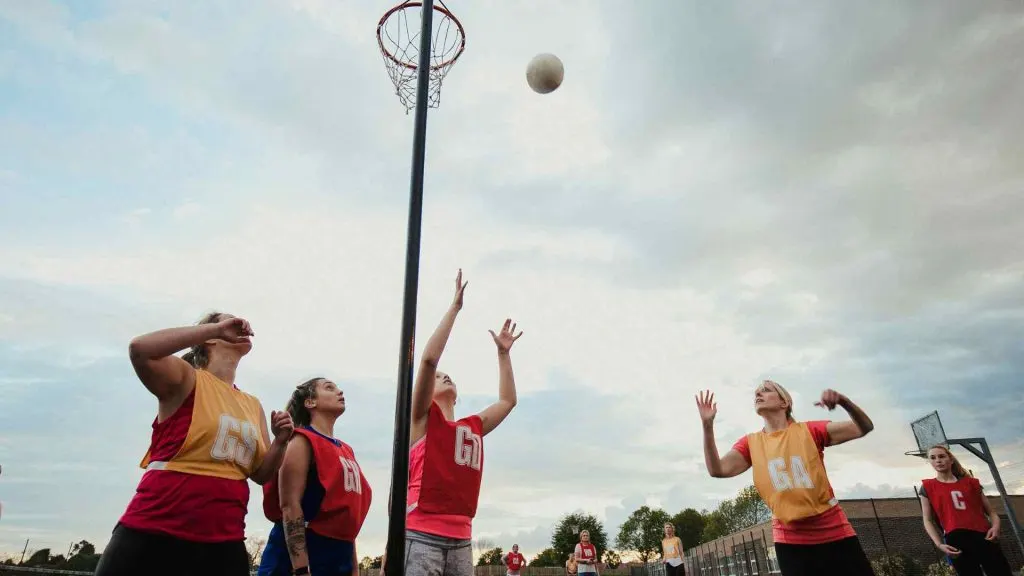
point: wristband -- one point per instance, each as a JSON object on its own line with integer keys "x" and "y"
{"x": 301, "y": 571}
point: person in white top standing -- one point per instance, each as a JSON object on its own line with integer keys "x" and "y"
{"x": 672, "y": 552}
{"x": 586, "y": 555}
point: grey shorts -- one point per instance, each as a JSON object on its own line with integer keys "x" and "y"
{"x": 429, "y": 555}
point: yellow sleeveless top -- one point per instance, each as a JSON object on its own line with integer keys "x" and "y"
{"x": 789, "y": 473}
{"x": 672, "y": 548}
{"x": 224, "y": 437}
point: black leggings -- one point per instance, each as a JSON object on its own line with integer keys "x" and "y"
{"x": 671, "y": 570}
{"x": 977, "y": 553}
{"x": 840, "y": 558}
{"x": 132, "y": 552}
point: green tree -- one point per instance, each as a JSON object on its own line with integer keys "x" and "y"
{"x": 716, "y": 523}
{"x": 749, "y": 509}
{"x": 38, "y": 558}
{"x": 548, "y": 557}
{"x": 611, "y": 558}
{"x": 564, "y": 540}
{"x": 689, "y": 527}
{"x": 642, "y": 532}
{"x": 83, "y": 557}
{"x": 491, "y": 557}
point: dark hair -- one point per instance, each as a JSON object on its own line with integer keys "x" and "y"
{"x": 297, "y": 403}
{"x": 198, "y": 356}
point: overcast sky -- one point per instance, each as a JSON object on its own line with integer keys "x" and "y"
{"x": 827, "y": 193}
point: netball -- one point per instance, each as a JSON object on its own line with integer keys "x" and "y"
{"x": 544, "y": 73}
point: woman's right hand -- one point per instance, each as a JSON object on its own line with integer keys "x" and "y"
{"x": 949, "y": 550}
{"x": 707, "y": 407}
{"x": 235, "y": 330}
{"x": 460, "y": 287}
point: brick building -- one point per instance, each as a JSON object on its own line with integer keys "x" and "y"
{"x": 889, "y": 525}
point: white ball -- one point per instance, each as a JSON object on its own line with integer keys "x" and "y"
{"x": 545, "y": 73}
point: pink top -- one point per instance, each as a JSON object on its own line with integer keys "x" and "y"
{"x": 445, "y": 525}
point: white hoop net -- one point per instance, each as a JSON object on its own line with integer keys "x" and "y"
{"x": 928, "y": 432}
{"x": 398, "y": 37}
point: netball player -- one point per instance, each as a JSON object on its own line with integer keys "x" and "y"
{"x": 320, "y": 497}
{"x": 446, "y": 455}
{"x": 514, "y": 561}
{"x": 188, "y": 512}
{"x": 672, "y": 552}
{"x": 971, "y": 527}
{"x": 811, "y": 532}
{"x": 571, "y": 565}
{"x": 586, "y": 555}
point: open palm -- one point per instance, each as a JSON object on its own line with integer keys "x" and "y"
{"x": 504, "y": 339}
{"x": 706, "y": 406}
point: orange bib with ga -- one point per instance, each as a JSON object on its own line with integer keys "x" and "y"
{"x": 789, "y": 473}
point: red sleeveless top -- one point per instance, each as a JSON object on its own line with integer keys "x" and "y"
{"x": 515, "y": 561}
{"x": 347, "y": 494}
{"x": 453, "y": 464}
{"x": 445, "y": 468}
{"x": 957, "y": 505}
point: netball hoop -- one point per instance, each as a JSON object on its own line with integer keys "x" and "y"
{"x": 400, "y": 47}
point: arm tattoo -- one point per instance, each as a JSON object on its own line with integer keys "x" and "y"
{"x": 295, "y": 535}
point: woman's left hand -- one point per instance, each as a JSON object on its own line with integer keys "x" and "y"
{"x": 281, "y": 425}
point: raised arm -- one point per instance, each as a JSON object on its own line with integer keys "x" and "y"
{"x": 857, "y": 426}
{"x": 423, "y": 389}
{"x": 166, "y": 376}
{"x": 733, "y": 464}
{"x": 281, "y": 426}
{"x": 291, "y": 487}
{"x": 932, "y": 529}
{"x": 494, "y": 414}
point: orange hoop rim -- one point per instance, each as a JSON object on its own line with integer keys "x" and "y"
{"x": 414, "y": 4}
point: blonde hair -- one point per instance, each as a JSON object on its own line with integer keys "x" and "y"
{"x": 958, "y": 469}
{"x": 784, "y": 394}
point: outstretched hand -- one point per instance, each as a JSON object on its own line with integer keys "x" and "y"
{"x": 507, "y": 337}
{"x": 707, "y": 406}
{"x": 460, "y": 287}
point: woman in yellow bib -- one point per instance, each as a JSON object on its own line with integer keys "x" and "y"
{"x": 811, "y": 532}
{"x": 209, "y": 438}
{"x": 672, "y": 552}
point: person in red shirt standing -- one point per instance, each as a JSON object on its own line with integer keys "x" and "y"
{"x": 514, "y": 561}
{"x": 971, "y": 528}
{"x": 811, "y": 532}
{"x": 586, "y": 555}
{"x": 209, "y": 437}
{"x": 446, "y": 456}
{"x": 320, "y": 498}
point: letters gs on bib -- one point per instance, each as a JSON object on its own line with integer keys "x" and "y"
{"x": 237, "y": 441}
{"x": 468, "y": 447}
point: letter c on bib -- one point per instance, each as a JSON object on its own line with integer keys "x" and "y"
{"x": 958, "y": 500}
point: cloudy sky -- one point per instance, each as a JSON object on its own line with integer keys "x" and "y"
{"x": 824, "y": 193}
